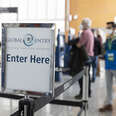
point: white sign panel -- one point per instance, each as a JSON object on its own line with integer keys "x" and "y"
{"x": 29, "y": 59}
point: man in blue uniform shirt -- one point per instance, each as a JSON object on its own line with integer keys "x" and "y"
{"x": 110, "y": 68}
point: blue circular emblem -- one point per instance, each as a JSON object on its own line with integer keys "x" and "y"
{"x": 28, "y": 40}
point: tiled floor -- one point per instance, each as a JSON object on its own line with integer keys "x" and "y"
{"x": 97, "y": 100}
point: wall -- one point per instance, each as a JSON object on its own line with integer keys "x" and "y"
{"x": 100, "y": 11}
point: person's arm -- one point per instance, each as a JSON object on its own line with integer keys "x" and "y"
{"x": 84, "y": 39}
{"x": 74, "y": 41}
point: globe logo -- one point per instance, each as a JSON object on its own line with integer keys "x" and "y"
{"x": 28, "y": 40}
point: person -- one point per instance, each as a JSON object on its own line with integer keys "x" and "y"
{"x": 86, "y": 40}
{"x": 99, "y": 36}
{"x": 97, "y": 52}
{"x": 109, "y": 25}
{"x": 110, "y": 66}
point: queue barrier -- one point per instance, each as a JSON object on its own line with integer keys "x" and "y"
{"x": 29, "y": 105}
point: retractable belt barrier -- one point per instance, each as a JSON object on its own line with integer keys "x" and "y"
{"x": 27, "y": 106}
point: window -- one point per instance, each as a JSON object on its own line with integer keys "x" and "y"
{"x": 52, "y": 11}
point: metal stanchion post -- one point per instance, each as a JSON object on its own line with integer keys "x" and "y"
{"x": 85, "y": 84}
{"x": 26, "y": 107}
{"x": 85, "y": 91}
{"x": 11, "y": 106}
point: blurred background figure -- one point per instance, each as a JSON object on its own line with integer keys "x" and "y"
{"x": 97, "y": 51}
{"x": 100, "y": 39}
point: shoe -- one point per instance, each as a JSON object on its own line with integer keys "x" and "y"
{"x": 78, "y": 97}
{"x": 106, "y": 108}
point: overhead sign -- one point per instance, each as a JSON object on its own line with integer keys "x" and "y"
{"x": 29, "y": 59}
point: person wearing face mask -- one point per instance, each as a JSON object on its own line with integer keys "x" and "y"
{"x": 110, "y": 68}
{"x": 109, "y": 27}
{"x": 87, "y": 41}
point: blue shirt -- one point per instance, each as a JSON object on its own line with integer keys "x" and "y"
{"x": 110, "y": 55}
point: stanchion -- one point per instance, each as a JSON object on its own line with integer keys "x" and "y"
{"x": 26, "y": 107}
{"x": 86, "y": 108}
{"x": 85, "y": 84}
{"x": 59, "y": 55}
{"x": 85, "y": 91}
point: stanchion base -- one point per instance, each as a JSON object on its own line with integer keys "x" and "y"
{"x": 29, "y": 105}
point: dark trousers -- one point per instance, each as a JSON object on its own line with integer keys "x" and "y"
{"x": 89, "y": 85}
{"x": 81, "y": 80}
{"x": 94, "y": 67}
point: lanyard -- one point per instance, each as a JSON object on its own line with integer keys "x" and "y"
{"x": 110, "y": 40}
{"x": 110, "y": 44}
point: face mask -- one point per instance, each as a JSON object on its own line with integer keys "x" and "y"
{"x": 109, "y": 31}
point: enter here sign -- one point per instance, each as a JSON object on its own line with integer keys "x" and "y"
{"x": 29, "y": 59}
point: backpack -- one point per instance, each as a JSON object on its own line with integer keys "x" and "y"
{"x": 97, "y": 47}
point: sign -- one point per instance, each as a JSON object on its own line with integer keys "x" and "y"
{"x": 29, "y": 58}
